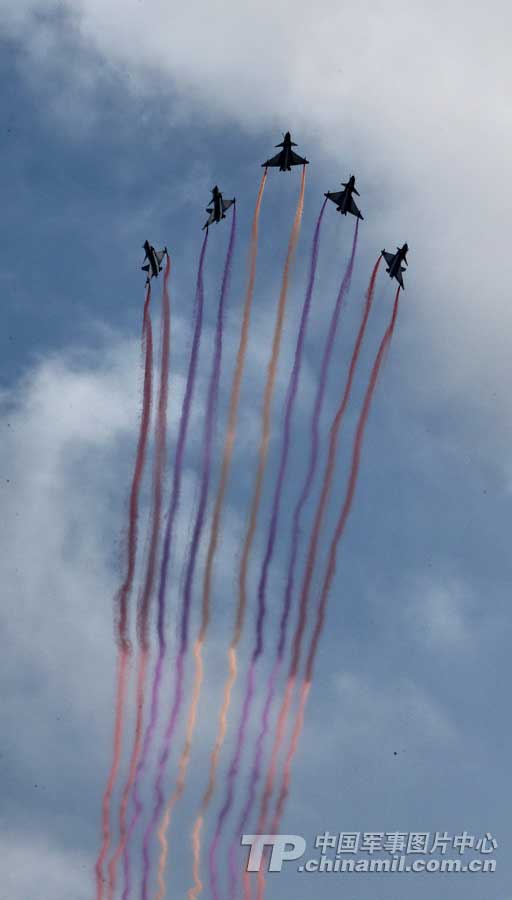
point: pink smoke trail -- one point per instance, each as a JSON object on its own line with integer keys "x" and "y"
{"x": 149, "y": 578}
{"x": 123, "y": 595}
{"x": 173, "y": 509}
{"x": 158, "y": 466}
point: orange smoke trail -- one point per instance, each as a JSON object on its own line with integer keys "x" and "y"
{"x": 123, "y": 662}
{"x": 267, "y": 403}
{"x": 280, "y": 729}
{"x": 141, "y": 683}
{"x": 299, "y": 721}
{"x": 294, "y": 741}
{"x": 196, "y": 849}
{"x": 214, "y": 761}
{"x": 215, "y": 527}
{"x": 262, "y": 459}
{"x": 329, "y": 575}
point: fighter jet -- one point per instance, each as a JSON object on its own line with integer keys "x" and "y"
{"x": 286, "y": 158}
{"x": 217, "y": 208}
{"x": 394, "y": 261}
{"x": 154, "y": 259}
{"x": 344, "y": 200}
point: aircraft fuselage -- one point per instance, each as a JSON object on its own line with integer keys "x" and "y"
{"x": 152, "y": 260}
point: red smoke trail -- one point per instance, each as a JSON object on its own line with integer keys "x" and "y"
{"x": 331, "y": 564}
{"x": 141, "y": 684}
{"x": 140, "y": 459}
{"x": 122, "y": 596}
{"x": 149, "y": 578}
{"x": 311, "y": 556}
{"x": 107, "y": 796}
{"x": 158, "y": 466}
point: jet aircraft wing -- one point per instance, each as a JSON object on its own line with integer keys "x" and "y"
{"x": 274, "y": 161}
{"x": 295, "y": 160}
{"x": 354, "y": 209}
{"x": 210, "y": 219}
{"x": 389, "y": 257}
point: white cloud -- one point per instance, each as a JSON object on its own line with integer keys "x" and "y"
{"x": 39, "y": 870}
{"x": 410, "y": 96}
{"x": 389, "y": 715}
{"x": 66, "y": 462}
{"x": 440, "y": 614}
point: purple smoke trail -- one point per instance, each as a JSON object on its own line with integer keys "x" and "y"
{"x": 213, "y": 390}
{"x": 173, "y": 509}
{"x": 315, "y": 443}
{"x": 291, "y": 395}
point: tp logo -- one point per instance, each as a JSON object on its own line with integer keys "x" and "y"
{"x": 285, "y": 847}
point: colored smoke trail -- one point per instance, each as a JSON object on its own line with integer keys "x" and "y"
{"x": 158, "y": 466}
{"x": 276, "y": 506}
{"x": 214, "y": 535}
{"x": 123, "y": 594}
{"x": 180, "y": 781}
{"x": 173, "y": 510}
{"x": 107, "y": 796}
{"x": 331, "y": 563}
{"x": 294, "y": 547}
{"x": 285, "y": 706}
{"x": 149, "y": 578}
{"x": 313, "y": 546}
{"x": 209, "y": 428}
{"x": 267, "y": 402}
{"x": 125, "y": 798}
{"x": 256, "y": 498}
{"x": 122, "y": 597}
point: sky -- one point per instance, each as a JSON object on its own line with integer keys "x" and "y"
{"x": 117, "y": 119}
